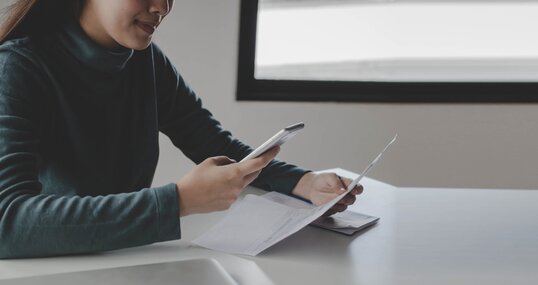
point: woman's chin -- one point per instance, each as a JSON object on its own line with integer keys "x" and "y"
{"x": 137, "y": 44}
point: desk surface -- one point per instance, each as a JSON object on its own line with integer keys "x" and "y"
{"x": 425, "y": 236}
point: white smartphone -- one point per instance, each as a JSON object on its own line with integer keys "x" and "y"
{"x": 278, "y": 139}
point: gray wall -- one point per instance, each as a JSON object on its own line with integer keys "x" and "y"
{"x": 445, "y": 145}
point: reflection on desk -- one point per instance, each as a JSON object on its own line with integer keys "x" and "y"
{"x": 201, "y": 271}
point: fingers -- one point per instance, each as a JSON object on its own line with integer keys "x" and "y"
{"x": 337, "y": 208}
{"x": 258, "y": 163}
{"x": 356, "y": 190}
{"x": 329, "y": 212}
{"x": 328, "y": 196}
{"x": 348, "y": 200}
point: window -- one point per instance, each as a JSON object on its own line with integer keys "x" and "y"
{"x": 389, "y": 51}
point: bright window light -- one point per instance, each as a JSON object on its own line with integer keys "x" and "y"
{"x": 409, "y": 41}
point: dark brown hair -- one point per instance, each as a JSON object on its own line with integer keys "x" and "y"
{"x": 27, "y": 17}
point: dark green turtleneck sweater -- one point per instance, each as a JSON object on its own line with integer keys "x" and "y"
{"x": 79, "y": 145}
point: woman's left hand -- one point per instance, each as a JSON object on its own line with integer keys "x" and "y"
{"x": 320, "y": 188}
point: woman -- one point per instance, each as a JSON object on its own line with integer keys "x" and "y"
{"x": 83, "y": 96}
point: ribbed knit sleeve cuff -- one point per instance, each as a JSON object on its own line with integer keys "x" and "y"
{"x": 168, "y": 207}
{"x": 287, "y": 183}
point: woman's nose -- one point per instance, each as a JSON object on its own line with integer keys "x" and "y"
{"x": 160, "y": 7}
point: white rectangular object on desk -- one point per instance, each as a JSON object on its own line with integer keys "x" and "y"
{"x": 203, "y": 271}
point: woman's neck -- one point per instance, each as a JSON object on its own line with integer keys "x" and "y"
{"x": 95, "y": 31}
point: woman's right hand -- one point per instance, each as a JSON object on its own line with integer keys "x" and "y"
{"x": 215, "y": 184}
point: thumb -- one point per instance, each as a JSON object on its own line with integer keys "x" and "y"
{"x": 324, "y": 197}
{"x": 336, "y": 191}
{"x": 222, "y": 160}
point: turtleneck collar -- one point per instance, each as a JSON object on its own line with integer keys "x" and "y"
{"x": 90, "y": 53}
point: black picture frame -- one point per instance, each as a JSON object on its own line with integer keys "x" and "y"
{"x": 251, "y": 89}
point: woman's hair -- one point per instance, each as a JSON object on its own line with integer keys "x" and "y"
{"x": 27, "y": 17}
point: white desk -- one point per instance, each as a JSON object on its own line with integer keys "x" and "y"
{"x": 425, "y": 236}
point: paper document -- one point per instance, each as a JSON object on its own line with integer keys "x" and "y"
{"x": 257, "y": 222}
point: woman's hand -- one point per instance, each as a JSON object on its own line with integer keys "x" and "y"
{"x": 320, "y": 188}
{"x": 215, "y": 184}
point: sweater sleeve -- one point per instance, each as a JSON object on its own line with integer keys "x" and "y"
{"x": 195, "y": 131}
{"x": 35, "y": 224}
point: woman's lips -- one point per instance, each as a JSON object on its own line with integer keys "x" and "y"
{"x": 146, "y": 27}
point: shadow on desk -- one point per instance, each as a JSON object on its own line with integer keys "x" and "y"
{"x": 311, "y": 242}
